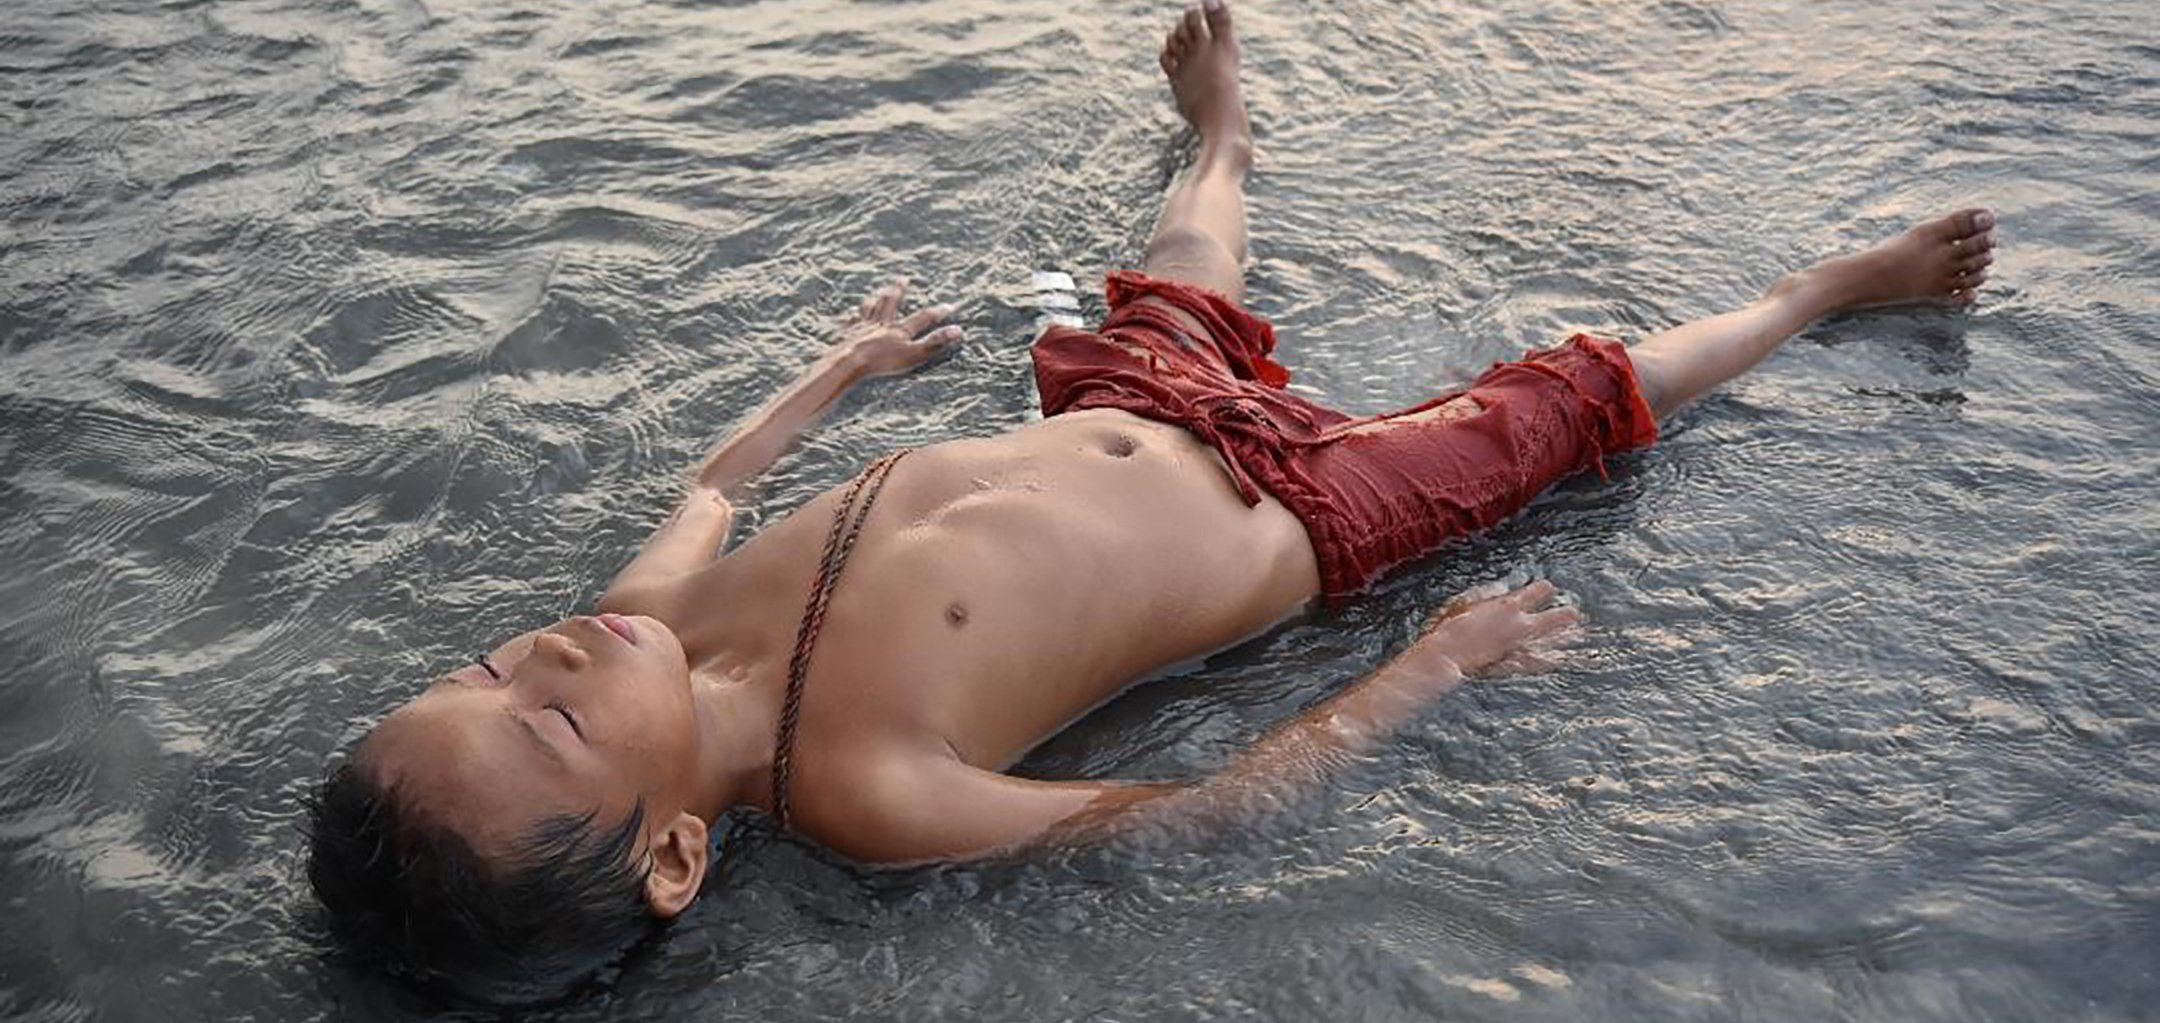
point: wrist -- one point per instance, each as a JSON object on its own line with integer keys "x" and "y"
{"x": 848, "y": 360}
{"x": 1428, "y": 668}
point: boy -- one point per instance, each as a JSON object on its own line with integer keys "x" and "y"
{"x": 865, "y": 669}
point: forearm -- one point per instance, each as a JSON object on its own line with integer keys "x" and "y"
{"x": 762, "y": 437}
{"x": 1329, "y": 734}
{"x": 1293, "y": 757}
{"x": 692, "y": 536}
{"x": 1476, "y": 632}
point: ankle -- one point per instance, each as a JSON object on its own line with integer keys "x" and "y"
{"x": 1225, "y": 152}
{"x": 1810, "y": 293}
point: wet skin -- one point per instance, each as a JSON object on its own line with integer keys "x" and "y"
{"x": 1005, "y": 585}
{"x": 587, "y": 714}
{"x": 1002, "y": 587}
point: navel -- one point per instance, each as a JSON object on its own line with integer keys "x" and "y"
{"x": 956, "y": 615}
{"x": 1120, "y": 446}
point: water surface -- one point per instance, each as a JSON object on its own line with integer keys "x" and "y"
{"x": 338, "y": 337}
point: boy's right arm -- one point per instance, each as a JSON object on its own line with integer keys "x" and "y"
{"x": 924, "y": 807}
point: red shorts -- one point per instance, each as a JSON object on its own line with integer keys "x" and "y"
{"x": 1371, "y": 491}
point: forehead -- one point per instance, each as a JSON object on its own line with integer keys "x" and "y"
{"x": 464, "y": 762}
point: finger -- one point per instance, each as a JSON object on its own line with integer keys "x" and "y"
{"x": 880, "y": 305}
{"x": 1470, "y": 598}
{"x": 923, "y": 319}
{"x": 1559, "y": 619}
{"x": 943, "y": 337}
{"x": 1521, "y": 662}
{"x": 868, "y": 308}
{"x": 1484, "y": 591}
{"x": 1531, "y": 596}
{"x": 887, "y": 301}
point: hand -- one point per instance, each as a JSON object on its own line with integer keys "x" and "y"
{"x": 1492, "y": 629}
{"x": 885, "y": 343}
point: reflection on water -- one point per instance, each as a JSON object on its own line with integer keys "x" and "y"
{"x": 337, "y": 337}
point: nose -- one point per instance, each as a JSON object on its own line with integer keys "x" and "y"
{"x": 560, "y": 650}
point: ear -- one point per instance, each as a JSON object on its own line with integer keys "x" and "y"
{"x": 678, "y": 850}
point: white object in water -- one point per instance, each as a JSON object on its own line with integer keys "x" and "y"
{"x": 1055, "y": 300}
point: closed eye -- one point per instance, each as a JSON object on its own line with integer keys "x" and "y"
{"x": 567, "y": 717}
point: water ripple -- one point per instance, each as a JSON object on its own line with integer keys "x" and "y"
{"x": 337, "y": 338}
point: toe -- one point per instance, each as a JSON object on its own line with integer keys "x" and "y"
{"x": 1966, "y": 222}
{"x": 1974, "y": 262}
{"x": 1962, "y": 296}
{"x": 1195, "y": 24}
{"x": 1218, "y": 18}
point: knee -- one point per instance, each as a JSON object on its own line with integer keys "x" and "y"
{"x": 1653, "y": 379}
{"x": 1190, "y": 248}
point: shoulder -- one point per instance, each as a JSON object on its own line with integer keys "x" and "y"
{"x": 926, "y": 806}
{"x": 879, "y": 803}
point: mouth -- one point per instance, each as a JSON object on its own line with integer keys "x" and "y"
{"x": 620, "y": 626}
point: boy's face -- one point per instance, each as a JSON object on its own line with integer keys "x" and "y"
{"x": 589, "y": 714}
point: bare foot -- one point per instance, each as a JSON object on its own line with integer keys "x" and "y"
{"x": 1944, "y": 259}
{"x": 1200, "y": 57}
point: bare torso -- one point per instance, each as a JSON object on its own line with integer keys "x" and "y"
{"x": 1002, "y": 587}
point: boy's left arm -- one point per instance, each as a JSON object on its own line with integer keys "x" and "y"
{"x": 877, "y": 341}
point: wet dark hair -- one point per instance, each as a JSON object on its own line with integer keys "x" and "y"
{"x": 415, "y": 900}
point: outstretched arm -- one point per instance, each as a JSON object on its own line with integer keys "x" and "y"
{"x": 938, "y": 807}
{"x": 877, "y": 341}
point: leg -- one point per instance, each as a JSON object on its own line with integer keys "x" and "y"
{"x": 1200, "y": 238}
{"x": 1946, "y": 258}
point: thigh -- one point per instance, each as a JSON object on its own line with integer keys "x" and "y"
{"x": 1404, "y": 483}
{"x": 1194, "y": 321}
{"x": 1192, "y": 256}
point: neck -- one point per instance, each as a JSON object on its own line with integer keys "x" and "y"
{"x": 738, "y": 670}
{"x": 738, "y": 637}
{"x": 740, "y": 711}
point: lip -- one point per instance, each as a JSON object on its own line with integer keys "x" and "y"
{"x": 620, "y": 626}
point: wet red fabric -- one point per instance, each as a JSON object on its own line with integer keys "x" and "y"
{"x": 1372, "y": 491}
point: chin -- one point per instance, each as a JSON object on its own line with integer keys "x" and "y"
{"x": 660, "y": 629}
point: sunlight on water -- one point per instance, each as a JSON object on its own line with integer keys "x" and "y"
{"x": 339, "y": 337}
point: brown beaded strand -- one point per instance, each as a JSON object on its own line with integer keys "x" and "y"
{"x": 839, "y": 543}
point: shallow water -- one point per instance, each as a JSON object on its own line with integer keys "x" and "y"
{"x": 339, "y": 337}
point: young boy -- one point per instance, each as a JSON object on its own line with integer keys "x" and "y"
{"x": 865, "y": 669}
